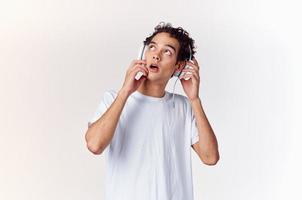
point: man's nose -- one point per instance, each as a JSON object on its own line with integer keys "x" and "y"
{"x": 156, "y": 57}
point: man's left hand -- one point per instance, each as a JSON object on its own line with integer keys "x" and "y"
{"x": 191, "y": 86}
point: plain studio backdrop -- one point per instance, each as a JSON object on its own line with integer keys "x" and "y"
{"x": 58, "y": 57}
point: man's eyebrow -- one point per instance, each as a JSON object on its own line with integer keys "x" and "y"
{"x": 165, "y": 45}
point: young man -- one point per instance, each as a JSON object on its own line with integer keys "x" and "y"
{"x": 147, "y": 141}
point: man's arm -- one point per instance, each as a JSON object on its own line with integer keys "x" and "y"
{"x": 206, "y": 147}
{"x": 100, "y": 133}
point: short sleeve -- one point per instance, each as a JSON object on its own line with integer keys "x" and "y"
{"x": 105, "y": 102}
{"x": 194, "y": 130}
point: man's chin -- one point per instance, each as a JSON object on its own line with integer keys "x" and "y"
{"x": 156, "y": 78}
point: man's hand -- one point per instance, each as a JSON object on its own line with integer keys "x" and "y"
{"x": 191, "y": 86}
{"x": 130, "y": 83}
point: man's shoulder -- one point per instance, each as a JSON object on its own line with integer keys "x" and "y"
{"x": 180, "y": 97}
{"x": 108, "y": 96}
{"x": 181, "y": 100}
{"x": 110, "y": 92}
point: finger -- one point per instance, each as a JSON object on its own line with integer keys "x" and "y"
{"x": 195, "y": 61}
{"x": 196, "y": 76}
{"x": 193, "y": 65}
{"x": 196, "y": 73}
{"x": 135, "y": 62}
{"x": 142, "y": 69}
{"x": 185, "y": 76}
{"x": 191, "y": 70}
{"x": 142, "y": 66}
{"x": 140, "y": 62}
{"x": 138, "y": 65}
{"x": 190, "y": 76}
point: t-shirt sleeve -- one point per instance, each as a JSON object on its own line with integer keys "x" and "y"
{"x": 105, "y": 102}
{"x": 194, "y": 130}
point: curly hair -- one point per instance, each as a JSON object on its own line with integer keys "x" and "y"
{"x": 178, "y": 33}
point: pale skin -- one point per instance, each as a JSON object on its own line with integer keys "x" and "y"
{"x": 163, "y": 51}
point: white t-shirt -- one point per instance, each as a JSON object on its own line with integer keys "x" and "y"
{"x": 149, "y": 156}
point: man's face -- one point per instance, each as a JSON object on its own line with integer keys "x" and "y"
{"x": 162, "y": 51}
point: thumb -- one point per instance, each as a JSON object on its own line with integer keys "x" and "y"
{"x": 143, "y": 78}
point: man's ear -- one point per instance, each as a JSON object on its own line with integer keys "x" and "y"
{"x": 179, "y": 65}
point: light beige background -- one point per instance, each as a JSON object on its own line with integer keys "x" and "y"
{"x": 58, "y": 57}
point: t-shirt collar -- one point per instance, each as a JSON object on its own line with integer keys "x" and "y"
{"x": 141, "y": 96}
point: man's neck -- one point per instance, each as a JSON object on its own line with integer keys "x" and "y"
{"x": 150, "y": 89}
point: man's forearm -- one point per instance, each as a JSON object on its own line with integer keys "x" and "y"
{"x": 207, "y": 140}
{"x": 101, "y": 132}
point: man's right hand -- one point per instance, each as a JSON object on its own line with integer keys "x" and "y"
{"x": 130, "y": 83}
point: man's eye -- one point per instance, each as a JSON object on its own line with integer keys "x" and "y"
{"x": 151, "y": 46}
{"x": 168, "y": 51}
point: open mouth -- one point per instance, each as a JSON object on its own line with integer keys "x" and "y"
{"x": 154, "y": 68}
